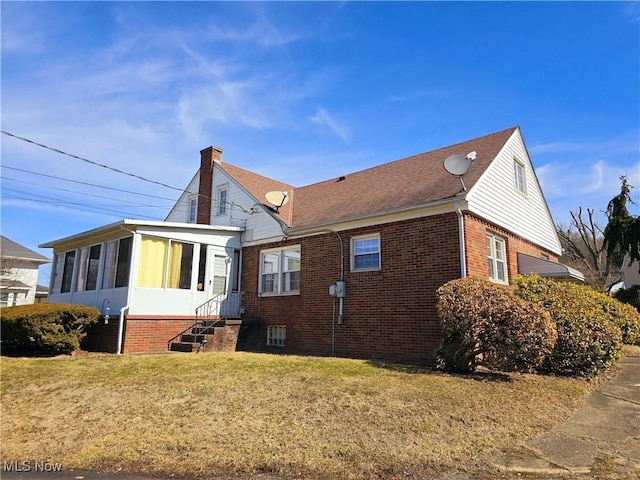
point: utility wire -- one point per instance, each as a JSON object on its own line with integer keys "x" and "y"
{"x": 80, "y": 193}
{"x": 4, "y": 132}
{"x": 250, "y": 211}
{"x": 86, "y": 183}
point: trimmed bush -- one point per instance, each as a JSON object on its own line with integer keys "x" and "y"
{"x": 45, "y": 328}
{"x": 588, "y": 341}
{"x": 485, "y": 323}
{"x": 623, "y": 315}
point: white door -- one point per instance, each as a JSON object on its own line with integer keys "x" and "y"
{"x": 219, "y": 274}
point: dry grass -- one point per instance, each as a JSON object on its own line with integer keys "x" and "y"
{"x": 242, "y": 414}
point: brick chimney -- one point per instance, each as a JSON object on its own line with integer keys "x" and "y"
{"x": 208, "y": 157}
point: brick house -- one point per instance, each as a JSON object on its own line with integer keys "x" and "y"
{"x": 346, "y": 267}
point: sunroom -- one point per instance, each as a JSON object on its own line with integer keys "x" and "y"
{"x": 150, "y": 269}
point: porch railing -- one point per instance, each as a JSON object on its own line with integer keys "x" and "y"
{"x": 223, "y": 305}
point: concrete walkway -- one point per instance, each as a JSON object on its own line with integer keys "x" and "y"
{"x": 603, "y": 435}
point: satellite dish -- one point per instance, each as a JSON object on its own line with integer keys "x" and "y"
{"x": 277, "y": 198}
{"x": 457, "y": 164}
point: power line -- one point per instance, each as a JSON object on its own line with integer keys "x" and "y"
{"x": 91, "y": 162}
{"x": 250, "y": 211}
{"x": 86, "y": 183}
{"x": 80, "y": 193}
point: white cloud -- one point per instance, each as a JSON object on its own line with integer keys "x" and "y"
{"x": 323, "y": 118}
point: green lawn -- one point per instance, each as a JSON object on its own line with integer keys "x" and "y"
{"x": 242, "y": 414}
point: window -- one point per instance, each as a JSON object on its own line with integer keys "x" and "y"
{"x": 193, "y": 209}
{"x": 67, "y": 273}
{"x": 519, "y": 178}
{"x": 117, "y": 258}
{"x": 496, "y": 258}
{"x": 165, "y": 263}
{"x": 276, "y": 335}
{"x": 223, "y": 193}
{"x": 57, "y": 270}
{"x": 280, "y": 271}
{"x": 87, "y": 276}
{"x": 365, "y": 253}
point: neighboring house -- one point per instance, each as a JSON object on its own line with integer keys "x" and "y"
{"x": 630, "y": 272}
{"x": 346, "y": 267}
{"x": 19, "y": 273}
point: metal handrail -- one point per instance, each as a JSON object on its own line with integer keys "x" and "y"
{"x": 207, "y": 304}
{"x": 182, "y": 332}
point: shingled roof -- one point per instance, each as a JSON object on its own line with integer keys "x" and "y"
{"x": 410, "y": 182}
{"x": 11, "y": 249}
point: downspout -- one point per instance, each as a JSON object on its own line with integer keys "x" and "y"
{"x": 463, "y": 256}
{"x": 126, "y": 307}
{"x": 121, "y": 328}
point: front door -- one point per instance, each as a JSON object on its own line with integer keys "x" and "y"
{"x": 219, "y": 274}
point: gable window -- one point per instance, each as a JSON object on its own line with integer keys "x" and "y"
{"x": 222, "y": 197}
{"x": 519, "y": 176}
{"x": 496, "y": 258}
{"x": 280, "y": 271}
{"x": 365, "y": 253}
{"x": 193, "y": 209}
{"x": 276, "y": 335}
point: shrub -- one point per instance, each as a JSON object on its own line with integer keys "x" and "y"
{"x": 483, "y": 319}
{"x": 623, "y": 315}
{"x": 629, "y": 296}
{"x": 45, "y": 328}
{"x": 588, "y": 339}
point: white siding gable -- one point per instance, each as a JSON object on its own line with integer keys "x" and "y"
{"x": 180, "y": 211}
{"x": 241, "y": 210}
{"x": 496, "y": 198}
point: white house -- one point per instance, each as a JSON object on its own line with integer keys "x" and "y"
{"x": 18, "y": 282}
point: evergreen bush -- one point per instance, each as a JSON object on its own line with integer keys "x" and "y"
{"x": 589, "y": 340}
{"x": 45, "y": 328}
{"x": 485, "y": 323}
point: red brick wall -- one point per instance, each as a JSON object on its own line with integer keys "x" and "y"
{"x": 388, "y": 314}
{"x": 475, "y": 230}
{"x": 151, "y": 335}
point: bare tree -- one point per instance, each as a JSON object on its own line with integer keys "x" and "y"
{"x": 583, "y": 248}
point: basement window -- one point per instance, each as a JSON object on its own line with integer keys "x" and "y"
{"x": 276, "y": 335}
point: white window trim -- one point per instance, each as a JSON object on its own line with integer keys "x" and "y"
{"x": 353, "y": 253}
{"x": 276, "y": 335}
{"x": 280, "y": 272}
{"x": 519, "y": 181}
{"x": 222, "y": 208}
{"x": 492, "y": 257}
{"x": 193, "y": 209}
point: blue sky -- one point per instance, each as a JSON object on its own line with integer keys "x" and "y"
{"x": 303, "y": 92}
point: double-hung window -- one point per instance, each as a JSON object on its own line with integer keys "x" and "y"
{"x": 519, "y": 176}
{"x": 223, "y": 200}
{"x": 497, "y": 258}
{"x": 280, "y": 271}
{"x": 365, "y": 253}
{"x": 193, "y": 209}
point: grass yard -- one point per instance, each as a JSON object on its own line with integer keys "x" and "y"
{"x": 244, "y": 414}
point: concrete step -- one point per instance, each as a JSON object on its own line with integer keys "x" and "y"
{"x": 184, "y": 346}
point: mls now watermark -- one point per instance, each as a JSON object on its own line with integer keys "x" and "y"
{"x": 30, "y": 466}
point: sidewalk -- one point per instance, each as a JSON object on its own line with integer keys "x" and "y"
{"x": 603, "y": 434}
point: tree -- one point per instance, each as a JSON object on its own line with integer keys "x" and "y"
{"x": 622, "y": 233}
{"x": 583, "y": 248}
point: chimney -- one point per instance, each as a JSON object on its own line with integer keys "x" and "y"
{"x": 208, "y": 157}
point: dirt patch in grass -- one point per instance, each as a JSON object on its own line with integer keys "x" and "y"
{"x": 245, "y": 414}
